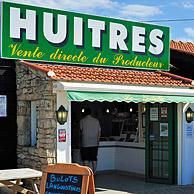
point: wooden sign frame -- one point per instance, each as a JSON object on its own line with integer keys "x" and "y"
{"x": 71, "y": 169}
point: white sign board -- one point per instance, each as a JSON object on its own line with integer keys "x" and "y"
{"x": 164, "y": 112}
{"x": 163, "y": 129}
{"x": 3, "y": 106}
{"x": 153, "y": 114}
{"x": 189, "y": 131}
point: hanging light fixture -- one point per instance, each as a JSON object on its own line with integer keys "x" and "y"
{"x": 189, "y": 115}
{"x": 62, "y": 115}
{"x": 107, "y": 110}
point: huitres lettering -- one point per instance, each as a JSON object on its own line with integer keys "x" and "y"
{"x": 118, "y": 34}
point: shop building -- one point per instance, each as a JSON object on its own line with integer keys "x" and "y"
{"x": 155, "y": 101}
{"x": 145, "y": 112}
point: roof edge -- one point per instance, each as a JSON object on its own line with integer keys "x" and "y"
{"x": 52, "y": 74}
{"x": 182, "y": 51}
{"x": 33, "y": 66}
{"x": 176, "y": 76}
{"x": 182, "y": 47}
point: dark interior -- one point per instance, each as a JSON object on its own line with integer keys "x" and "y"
{"x": 113, "y": 117}
{"x": 8, "y": 127}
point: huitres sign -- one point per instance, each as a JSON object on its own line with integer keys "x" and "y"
{"x": 41, "y": 34}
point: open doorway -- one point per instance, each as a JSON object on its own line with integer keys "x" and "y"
{"x": 122, "y": 142}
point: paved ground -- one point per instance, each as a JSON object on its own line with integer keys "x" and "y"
{"x": 167, "y": 190}
{"x": 124, "y": 184}
{"x": 114, "y": 183}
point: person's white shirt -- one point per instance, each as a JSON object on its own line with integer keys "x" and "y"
{"x": 90, "y": 130}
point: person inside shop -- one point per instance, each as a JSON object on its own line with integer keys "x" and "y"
{"x": 90, "y": 136}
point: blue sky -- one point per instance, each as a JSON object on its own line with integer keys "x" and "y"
{"x": 133, "y": 10}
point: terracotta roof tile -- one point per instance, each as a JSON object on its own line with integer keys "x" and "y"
{"x": 104, "y": 75}
{"x": 187, "y": 47}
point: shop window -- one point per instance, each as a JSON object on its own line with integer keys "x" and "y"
{"x": 33, "y": 123}
{"x": 125, "y": 124}
{"x": 120, "y": 121}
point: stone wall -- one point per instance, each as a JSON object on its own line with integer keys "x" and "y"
{"x": 35, "y": 86}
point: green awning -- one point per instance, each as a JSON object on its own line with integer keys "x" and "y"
{"x": 103, "y": 96}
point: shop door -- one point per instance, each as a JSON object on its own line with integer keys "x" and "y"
{"x": 161, "y": 143}
{"x": 8, "y": 128}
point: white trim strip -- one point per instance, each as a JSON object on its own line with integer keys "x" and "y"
{"x": 92, "y": 87}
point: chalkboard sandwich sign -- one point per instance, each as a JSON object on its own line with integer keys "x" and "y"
{"x": 67, "y": 179}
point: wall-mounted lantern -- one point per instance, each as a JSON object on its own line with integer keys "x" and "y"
{"x": 143, "y": 108}
{"x": 189, "y": 115}
{"x": 62, "y": 115}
